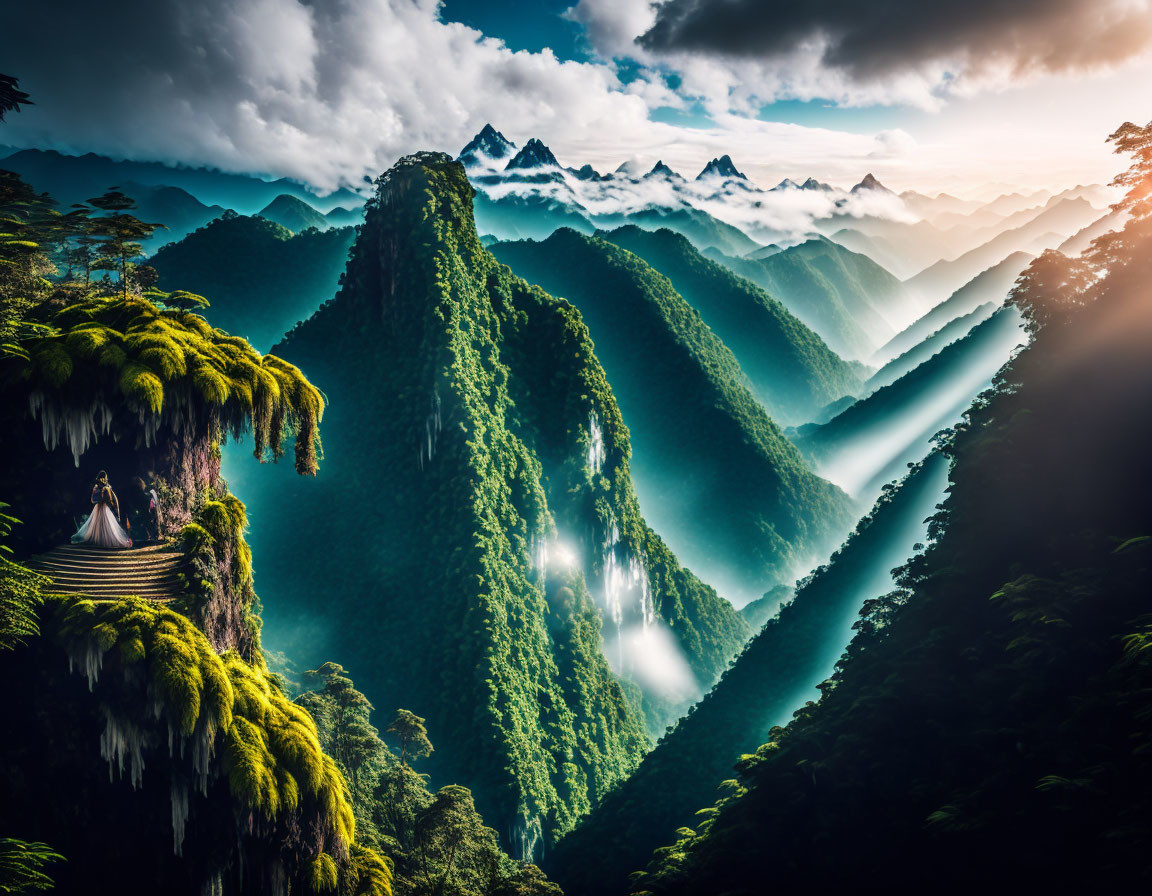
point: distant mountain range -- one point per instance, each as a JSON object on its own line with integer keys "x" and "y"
{"x": 76, "y": 178}
{"x": 260, "y": 277}
{"x": 846, "y": 297}
{"x": 526, "y": 192}
{"x": 938, "y": 243}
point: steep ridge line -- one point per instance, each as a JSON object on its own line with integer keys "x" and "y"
{"x": 151, "y": 572}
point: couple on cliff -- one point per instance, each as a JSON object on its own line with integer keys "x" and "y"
{"x": 102, "y": 527}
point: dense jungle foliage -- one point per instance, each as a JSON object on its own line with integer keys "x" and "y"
{"x": 996, "y": 705}
{"x": 715, "y": 473}
{"x": 481, "y": 462}
{"x": 436, "y": 841}
{"x": 263, "y": 279}
{"x": 790, "y": 369}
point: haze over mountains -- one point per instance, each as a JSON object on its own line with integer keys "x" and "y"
{"x": 616, "y": 465}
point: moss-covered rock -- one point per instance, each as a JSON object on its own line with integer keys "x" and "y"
{"x": 212, "y": 732}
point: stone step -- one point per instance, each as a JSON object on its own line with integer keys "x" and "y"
{"x": 109, "y": 568}
{"x": 79, "y": 550}
{"x": 151, "y": 572}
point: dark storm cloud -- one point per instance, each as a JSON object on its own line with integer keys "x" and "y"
{"x": 869, "y": 40}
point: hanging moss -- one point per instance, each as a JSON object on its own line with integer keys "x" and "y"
{"x": 218, "y": 594}
{"x": 188, "y": 674}
{"x": 369, "y": 872}
{"x": 266, "y": 745}
{"x": 170, "y": 370}
{"x": 322, "y": 874}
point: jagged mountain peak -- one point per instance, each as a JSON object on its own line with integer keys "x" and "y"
{"x": 870, "y": 183}
{"x": 662, "y": 170}
{"x": 722, "y": 167}
{"x": 534, "y": 155}
{"x": 586, "y": 172}
{"x": 488, "y": 144}
{"x": 787, "y": 184}
{"x": 813, "y": 184}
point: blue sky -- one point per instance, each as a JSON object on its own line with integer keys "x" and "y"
{"x": 523, "y": 25}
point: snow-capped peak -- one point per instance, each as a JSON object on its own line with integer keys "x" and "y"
{"x": 488, "y": 145}
{"x": 534, "y": 155}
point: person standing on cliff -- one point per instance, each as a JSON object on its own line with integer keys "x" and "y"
{"x": 102, "y": 527}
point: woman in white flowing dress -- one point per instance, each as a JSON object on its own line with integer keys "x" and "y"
{"x": 102, "y": 526}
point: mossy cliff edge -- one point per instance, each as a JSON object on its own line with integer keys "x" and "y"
{"x": 147, "y": 742}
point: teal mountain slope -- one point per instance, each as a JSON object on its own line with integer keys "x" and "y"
{"x": 474, "y": 513}
{"x": 702, "y": 230}
{"x": 179, "y": 211}
{"x": 955, "y": 329}
{"x": 294, "y": 214}
{"x": 992, "y": 285}
{"x": 776, "y": 674}
{"x": 996, "y": 705}
{"x": 870, "y": 442}
{"x": 262, "y": 280}
{"x": 791, "y": 370}
{"x": 714, "y": 473}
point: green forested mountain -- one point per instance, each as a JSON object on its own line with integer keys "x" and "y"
{"x": 473, "y": 545}
{"x": 852, "y": 302}
{"x": 294, "y": 214}
{"x": 714, "y": 472}
{"x": 778, "y": 672}
{"x": 262, "y": 279}
{"x": 996, "y": 705}
{"x": 791, "y": 370}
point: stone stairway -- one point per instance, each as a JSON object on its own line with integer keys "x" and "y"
{"x": 151, "y": 572}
